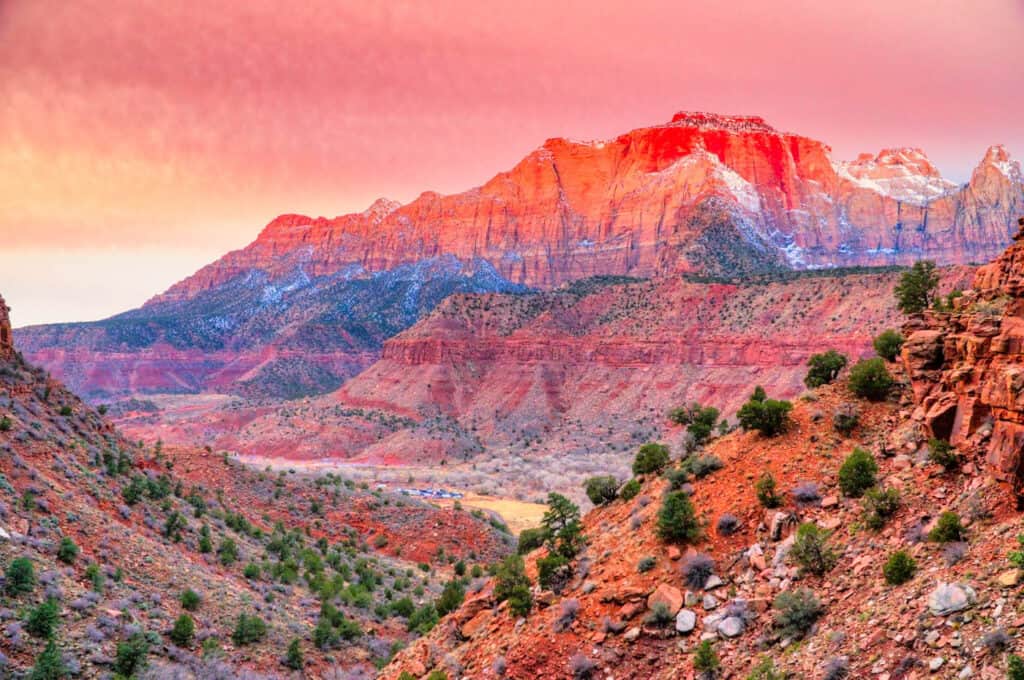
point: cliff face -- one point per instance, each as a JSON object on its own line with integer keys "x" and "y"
{"x": 659, "y": 199}
{"x": 967, "y": 366}
{"x": 6, "y": 335}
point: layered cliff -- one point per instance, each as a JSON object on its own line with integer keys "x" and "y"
{"x": 967, "y": 366}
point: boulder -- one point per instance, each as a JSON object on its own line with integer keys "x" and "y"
{"x": 948, "y": 598}
{"x": 686, "y": 620}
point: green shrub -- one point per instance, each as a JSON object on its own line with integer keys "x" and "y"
{"x": 947, "y": 529}
{"x": 705, "y": 660}
{"x": 899, "y": 568}
{"x": 19, "y": 577}
{"x": 768, "y": 416}
{"x": 677, "y": 519}
{"x": 562, "y": 523}
{"x": 629, "y": 490}
{"x": 796, "y": 611}
{"x": 131, "y": 655}
{"x": 553, "y": 572}
{"x": 870, "y": 379}
{"x": 660, "y": 615}
{"x": 49, "y": 664}
{"x": 183, "y": 632}
{"x": 651, "y": 458}
{"x": 811, "y": 549}
{"x": 1014, "y": 667}
{"x": 248, "y": 629}
{"x": 451, "y": 597}
{"x": 531, "y": 539}
{"x": 423, "y": 619}
{"x": 190, "y": 600}
{"x": 766, "y": 493}
{"x": 702, "y": 465}
{"x": 879, "y": 505}
{"x": 601, "y": 490}
{"x": 43, "y": 619}
{"x": 228, "y": 551}
{"x": 68, "y": 551}
{"x": 511, "y": 583}
{"x": 857, "y": 473}
{"x": 293, "y": 657}
{"x": 6, "y": 424}
{"x": 251, "y": 571}
{"x": 765, "y": 670}
{"x": 646, "y": 564}
{"x": 942, "y": 453}
{"x": 915, "y": 291}
{"x": 824, "y": 368}
{"x": 888, "y": 344}
{"x": 845, "y": 419}
{"x": 1016, "y": 557}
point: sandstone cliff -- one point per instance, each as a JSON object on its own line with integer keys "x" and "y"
{"x": 967, "y": 366}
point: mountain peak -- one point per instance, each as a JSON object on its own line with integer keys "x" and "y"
{"x": 705, "y": 120}
{"x": 381, "y": 208}
{"x": 998, "y": 158}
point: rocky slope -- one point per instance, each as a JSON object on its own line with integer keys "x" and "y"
{"x": 629, "y": 612}
{"x": 308, "y": 303}
{"x": 115, "y": 534}
{"x": 968, "y": 365}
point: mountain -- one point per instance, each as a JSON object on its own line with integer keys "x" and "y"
{"x": 310, "y": 301}
{"x": 100, "y": 537}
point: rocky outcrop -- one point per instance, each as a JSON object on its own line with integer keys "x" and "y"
{"x": 6, "y": 335}
{"x": 967, "y": 366}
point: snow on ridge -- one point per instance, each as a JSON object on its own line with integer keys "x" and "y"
{"x": 745, "y": 193}
{"x": 904, "y": 174}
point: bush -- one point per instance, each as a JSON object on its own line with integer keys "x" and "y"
{"x": 629, "y": 490}
{"x": 580, "y": 666}
{"x": 765, "y": 488}
{"x": 531, "y": 539}
{"x": 651, "y": 458}
{"x": 947, "y": 529}
{"x": 131, "y": 655}
{"x": 568, "y": 611}
{"x": 702, "y": 425}
{"x": 697, "y": 569}
{"x": 49, "y": 664}
{"x": 888, "y": 344}
{"x": 811, "y": 549}
{"x": 511, "y": 583}
{"x": 870, "y": 379}
{"x": 19, "y": 577}
{"x": 43, "y": 619}
{"x": 942, "y": 453}
{"x": 765, "y": 670}
{"x": 183, "y": 632}
{"x": 660, "y": 615}
{"x": 705, "y": 660}
{"x": 702, "y": 466}
{"x": 293, "y": 657}
{"x": 68, "y": 551}
{"x": 899, "y": 568}
{"x": 251, "y": 571}
{"x": 6, "y": 424}
{"x": 845, "y": 419}
{"x": 837, "y": 669}
{"x": 646, "y": 564}
{"x": 553, "y": 572}
{"x": 248, "y": 629}
{"x": 1014, "y": 667}
{"x": 857, "y": 473}
{"x": 601, "y": 490}
{"x": 562, "y": 523}
{"x": 823, "y": 368}
{"x": 806, "y": 493}
{"x": 677, "y": 519}
{"x": 190, "y": 600}
{"x": 767, "y": 416}
{"x": 915, "y": 291}
{"x": 796, "y": 611}
{"x": 228, "y": 552}
{"x": 879, "y": 505}
{"x": 727, "y": 524}
{"x": 451, "y": 597}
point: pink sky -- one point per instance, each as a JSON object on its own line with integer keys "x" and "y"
{"x": 140, "y": 139}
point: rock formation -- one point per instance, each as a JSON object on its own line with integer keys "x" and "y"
{"x": 967, "y": 366}
{"x": 6, "y": 334}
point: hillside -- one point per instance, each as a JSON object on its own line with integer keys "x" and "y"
{"x": 115, "y": 533}
{"x": 309, "y": 302}
{"x": 601, "y": 624}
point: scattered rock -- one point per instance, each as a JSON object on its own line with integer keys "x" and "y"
{"x": 950, "y": 597}
{"x": 686, "y": 620}
{"x": 731, "y": 627}
{"x": 671, "y": 596}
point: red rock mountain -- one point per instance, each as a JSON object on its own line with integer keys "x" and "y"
{"x": 663, "y": 198}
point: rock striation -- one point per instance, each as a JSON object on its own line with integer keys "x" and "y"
{"x": 6, "y": 334}
{"x": 967, "y": 366}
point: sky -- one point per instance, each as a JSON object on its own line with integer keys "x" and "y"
{"x": 141, "y": 139}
